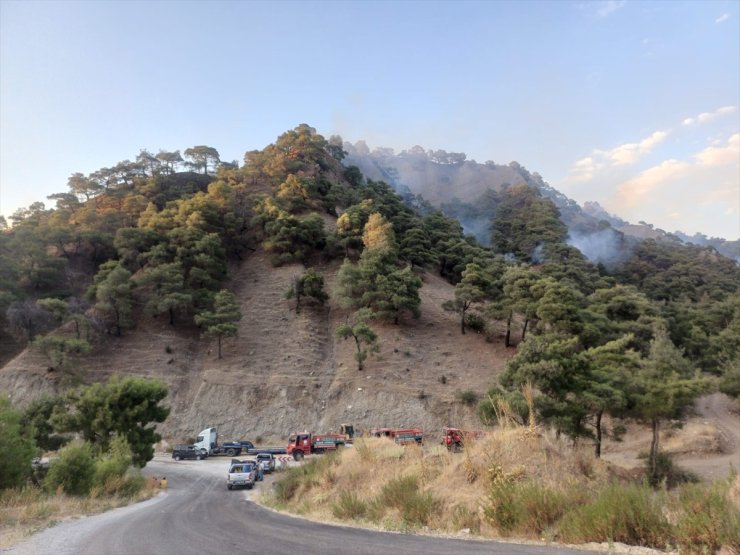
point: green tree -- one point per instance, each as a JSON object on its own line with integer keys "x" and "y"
{"x": 525, "y": 224}
{"x": 18, "y": 447}
{"x": 416, "y": 248}
{"x": 608, "y": 380}
{"x": 168, "y": 293}
{"x": 37, "y": 416}
{"x": 470, "y": 291}
{"x": 550, "y": 362}
{"x": 310, "y": 284}
{"x": 73, "y": 470}
{"x": 202, "y": 156}
{"x": 221, "y": 321}
{"x": 665, "y": 386}
{"x": 364, "y": 337}
{"x": 112, "y": 290}
{"x": 126, "y": 407}
{"x": 398, "y": 291}
{"x": 169, "y": 159}
{"x": 59, "y": 349}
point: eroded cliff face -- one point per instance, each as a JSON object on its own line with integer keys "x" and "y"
{"x": 287, "y": 371}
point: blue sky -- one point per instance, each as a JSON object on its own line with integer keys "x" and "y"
{"x": 632, "y": 104}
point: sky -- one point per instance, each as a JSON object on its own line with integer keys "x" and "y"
{"x": 634, "y": 104}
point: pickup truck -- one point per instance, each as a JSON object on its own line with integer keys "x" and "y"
{"x": 242, "y": 473}
{"x": 266, "y": 461}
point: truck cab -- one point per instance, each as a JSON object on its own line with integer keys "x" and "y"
{"x": 207, "y": 441}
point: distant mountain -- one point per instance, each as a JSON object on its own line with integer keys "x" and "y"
{"x": 458, "y": 186}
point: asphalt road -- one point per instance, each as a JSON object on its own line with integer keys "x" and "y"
{"x": 198, "y": 515}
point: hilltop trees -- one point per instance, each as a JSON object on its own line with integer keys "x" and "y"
{"x": 202, "y": 156}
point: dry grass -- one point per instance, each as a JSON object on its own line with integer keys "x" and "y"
{"x": 456, "y": 484}
{"x": 28, "y": 510}
{"x": 513, "y": 482}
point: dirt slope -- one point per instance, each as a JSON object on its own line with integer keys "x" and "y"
{"x": 287, "y": 371}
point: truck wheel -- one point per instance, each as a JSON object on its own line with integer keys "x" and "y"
{"x": 456, "y": 447}
{"x": 177, "y": 457}
{"x": 199, "y": 457}
{"x": 298, "y": 455}
{"x": 229, "y": 486}
{"x": 231, "y": 451}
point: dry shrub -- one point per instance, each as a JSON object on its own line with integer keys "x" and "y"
{"x": 706, "y": 518}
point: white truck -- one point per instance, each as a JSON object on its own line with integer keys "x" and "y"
{"x": 207, "y": 444}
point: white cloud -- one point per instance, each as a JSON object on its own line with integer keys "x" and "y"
{"x": 634, "y": 190}
{"x": 723, "y": 17}
{"x": 706, "y": 117}
{"x": 622, "y": 155}
{"x": 610, "y": 7}
{"x": 720, "y": 155}
{"x": 631, "y": 152}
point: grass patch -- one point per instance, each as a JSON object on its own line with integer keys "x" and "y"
{"x": 349, "y": 507}
{"x": 630, "y": 514}
{"x": 27, "y": 510}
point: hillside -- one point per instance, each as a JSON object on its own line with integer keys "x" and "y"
{"x": 140, "y": 264}
{"x": 287, "y": 371}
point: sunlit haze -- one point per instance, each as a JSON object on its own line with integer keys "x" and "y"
{"x": 631, "y": 104}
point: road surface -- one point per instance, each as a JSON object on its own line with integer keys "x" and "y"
{"x": 198, "y": 515}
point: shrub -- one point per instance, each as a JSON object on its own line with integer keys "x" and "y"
{"x": 18, "y": 447}
{"x": 416, "y": 507}
{"x": 706, "y": 518}
{"x": 503, "y": 511}
{"x": 629, "y": 514}
{"x": 468, "y": 397}
{"x": 306, "y": 474}
{"x": 349, "y": 506}
{"x": 475, "y": 322}
{"x": 73, "y": 470}
{"x": 668, "y": 473}
{"x": 463, "y": 517}
{"x": 114, "y": 463}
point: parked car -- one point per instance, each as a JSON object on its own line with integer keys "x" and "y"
{"x": 266, "y": 461}
{"x": 242, "y": 473}
{"x": 186, "y": 452}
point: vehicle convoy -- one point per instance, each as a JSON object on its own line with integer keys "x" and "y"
{"x": 207, "y": 444}
{"x": 242, "y": 473}
{"x": 304, "y": 443}
{"x": 454, "y": 438}
{"x": 182, "y": 451}
{"x": 402, "y": 436}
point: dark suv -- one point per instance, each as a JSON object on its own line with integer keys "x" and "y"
{"x": 186, "y": 452}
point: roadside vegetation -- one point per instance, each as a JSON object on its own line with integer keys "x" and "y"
{"x": 515, "y": 484}
{"x": 94, "y": 439}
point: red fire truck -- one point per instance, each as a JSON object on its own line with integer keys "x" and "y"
{"x": 301, "y": 444}
{"x": 402, "y": 436}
